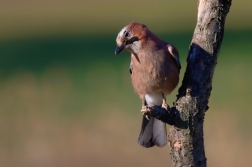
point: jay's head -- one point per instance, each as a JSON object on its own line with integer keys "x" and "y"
{"x": 129, "y": 38}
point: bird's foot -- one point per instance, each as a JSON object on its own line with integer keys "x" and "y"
{"x": 146, "y": 111}
{"x": 165, "y": 106}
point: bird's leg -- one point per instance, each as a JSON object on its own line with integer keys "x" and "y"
{"x": 144, "y": 104}
{"x": 145, "y": 108}
{"x": 164, "y": 104}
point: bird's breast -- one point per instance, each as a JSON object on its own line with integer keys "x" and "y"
{"x": 149, "y": 73}
{"x": 154, "y": 72}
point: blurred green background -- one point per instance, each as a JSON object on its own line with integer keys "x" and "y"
{"x": 67, "y": 100}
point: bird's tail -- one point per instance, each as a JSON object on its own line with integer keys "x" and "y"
{"x": 153, "y": 132}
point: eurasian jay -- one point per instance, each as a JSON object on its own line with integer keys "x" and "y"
{"x": 154, "y": 68}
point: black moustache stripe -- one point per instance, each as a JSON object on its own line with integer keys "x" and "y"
{"x": 131, "y": 40}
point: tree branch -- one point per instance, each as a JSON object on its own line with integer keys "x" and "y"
{"x": 187, "y": 116}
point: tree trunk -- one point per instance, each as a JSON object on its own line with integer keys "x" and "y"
{"x": 186, "y": 136}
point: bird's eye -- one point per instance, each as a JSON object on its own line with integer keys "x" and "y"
{"x": 126, "y": 33}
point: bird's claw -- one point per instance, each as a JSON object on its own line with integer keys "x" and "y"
{"x": 147, "y": 111}
{"x": 165, "y": 106}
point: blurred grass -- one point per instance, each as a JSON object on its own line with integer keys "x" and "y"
{"x": 54, "y": 90}
{"x": 67, "y": 100}
{"x": 28, "y": 18}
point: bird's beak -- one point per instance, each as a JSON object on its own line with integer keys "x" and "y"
{"x": 119, "y": 48}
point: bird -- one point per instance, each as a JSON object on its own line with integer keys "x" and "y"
{"x": 154, "y": 68}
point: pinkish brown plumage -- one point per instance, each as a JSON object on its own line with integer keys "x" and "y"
{"x": 155, "y": 73}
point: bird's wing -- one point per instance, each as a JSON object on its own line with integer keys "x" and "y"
{"x": 174, "y": 52}
{"x": 130, "y": 67}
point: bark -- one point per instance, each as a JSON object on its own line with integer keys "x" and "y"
{"x": 187, "y": 116}
{"x": 186, "y": 136}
